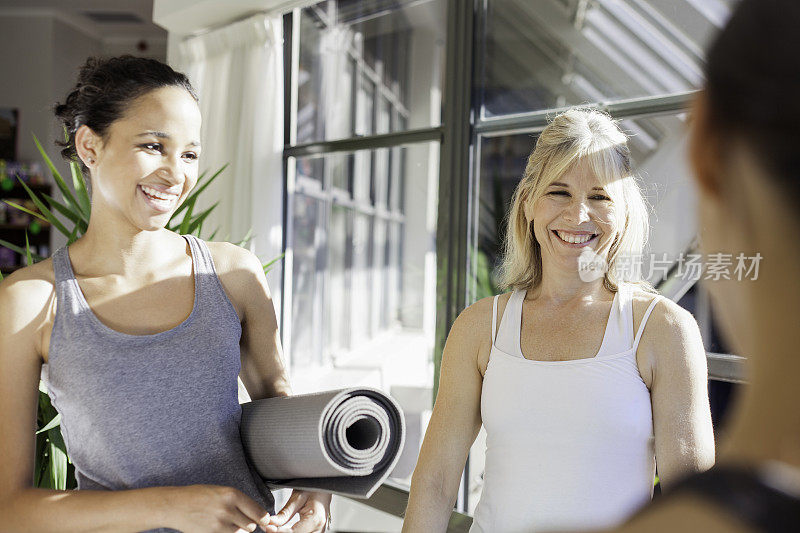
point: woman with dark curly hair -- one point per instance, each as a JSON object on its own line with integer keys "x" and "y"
{"x": 143, "y": 333}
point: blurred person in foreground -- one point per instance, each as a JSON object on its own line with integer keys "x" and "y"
{"x": 745, "y": 150}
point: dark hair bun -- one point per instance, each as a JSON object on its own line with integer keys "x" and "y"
{"x": 753, "y": 83}
{"x": 105, "y": 88}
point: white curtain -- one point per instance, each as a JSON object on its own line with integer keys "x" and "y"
{"x": 237, "y": 71}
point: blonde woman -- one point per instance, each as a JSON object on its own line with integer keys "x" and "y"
{"x": 583, "y": 382}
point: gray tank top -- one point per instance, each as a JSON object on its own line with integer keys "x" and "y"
{"x": 151, "y": 410}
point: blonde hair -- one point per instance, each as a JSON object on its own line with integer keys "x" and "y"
{"x": 577, "y": 136}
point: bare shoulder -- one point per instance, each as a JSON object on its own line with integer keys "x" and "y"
{"x": 229, "y": 258}
{"x": 28, "y": 293}
{"x": 671, "y": 344}
{"x": 242, "y": 277}
{"x": 30, "y": 287}
{"x": 683, "y": 513}
{"x": 667, "y": 319}
{"x": 476, "y": 320}
{"x": 471, "y": 334}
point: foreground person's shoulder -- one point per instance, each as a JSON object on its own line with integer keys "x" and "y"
{"x": 230, "y": 258}
{"x": 683, "y": 512}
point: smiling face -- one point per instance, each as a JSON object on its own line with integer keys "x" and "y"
{"x": 147, "y": 164}
{"x": 574, "y": 213}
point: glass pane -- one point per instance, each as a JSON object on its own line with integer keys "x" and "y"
{"x": 362, "y": 176}
{"x": 311, "y": 169}
{"x": 307, "y": 273}
{"x": 379, "y": 311}
{"x": 383, "y": 118}
{"x": 364, "y": 105}
{"x": 340, "y": 259}
{"x": 395, "y": 179}
{"x": 361, "y": 328}
{"x": 550, "y": 53}
{"x": 360, "y": 267}
{"x": 382, "y": 177}
{"x": 354, "y": 52}
{"x": 659, "y": 157}
{"x": 340, "y": 171}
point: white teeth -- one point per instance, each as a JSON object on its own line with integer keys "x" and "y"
{"x": 574, "y": 239}
{"x": 158, "y": 195}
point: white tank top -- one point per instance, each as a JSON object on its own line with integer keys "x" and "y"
{"x": 569, "y": 443}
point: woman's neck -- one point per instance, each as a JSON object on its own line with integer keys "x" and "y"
{"x": 562, "y": 288}
{"x": 765, "y": 423}
{"x": 766, "y": 419}
{"x": 112, "y": 247}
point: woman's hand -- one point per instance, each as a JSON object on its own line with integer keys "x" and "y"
{"x": 313, "y": 508}
{"x": 210, "y": 508}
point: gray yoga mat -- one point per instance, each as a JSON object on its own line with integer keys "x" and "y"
{"x": 345, "y": 441}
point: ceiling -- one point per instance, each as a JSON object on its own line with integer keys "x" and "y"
{"x": 103, "y": 19}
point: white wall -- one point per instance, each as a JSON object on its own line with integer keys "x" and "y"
{"x": 39, "y": 61}
{"x": 26, "y": 60}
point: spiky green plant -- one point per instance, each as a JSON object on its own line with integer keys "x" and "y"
{"x": 53, "y": 469}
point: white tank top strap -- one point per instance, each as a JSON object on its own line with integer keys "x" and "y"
{"x": 508, "y": 332}
{"x": 644, "y": 322}
{"x": 625, "y": 295}
{"x": 494, "y": 318}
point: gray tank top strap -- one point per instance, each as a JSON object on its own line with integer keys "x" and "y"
{"x": 61, "y": 266}
{"x": 203, "y": 264}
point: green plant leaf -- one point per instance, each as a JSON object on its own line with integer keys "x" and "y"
{"x": 183, "y": 229}
{"x": 58, "y": 463}
{"x": 28, "y": 256}
{"x": 25, "y": 210}
{"x": 38, "y": 468}
{"x": 69, "y": 199}
{"x": 214, "y": 234}
{"x": 74, "y": 217}
{"x": 19, "y": 250}
{"x": 45, "y": 211}
{"x": 269, "y": 264}
{"x": 200, "y": 189}
{"x": 80, "y": 188}
{"x": 198, "y": 221}
{"x": 74, "y": 235}
{"x": 56, "y": 421}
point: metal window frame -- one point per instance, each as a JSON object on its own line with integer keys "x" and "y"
{"x": 459, "y": 137}
{"x": 293, "y": 150}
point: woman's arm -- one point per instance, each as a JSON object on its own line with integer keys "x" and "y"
{"x": 454, "y": 424}
{"x": 684, "y": 437}
{"x": 25, "y": 297}
{"x": 263, "y": 372}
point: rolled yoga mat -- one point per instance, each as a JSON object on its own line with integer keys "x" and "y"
{"x": 345, "y": 441}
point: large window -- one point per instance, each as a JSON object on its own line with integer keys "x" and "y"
{"x": 553, "y": 53}
{"x": 362, "y": 156}
{"x": 398, "y": 185}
